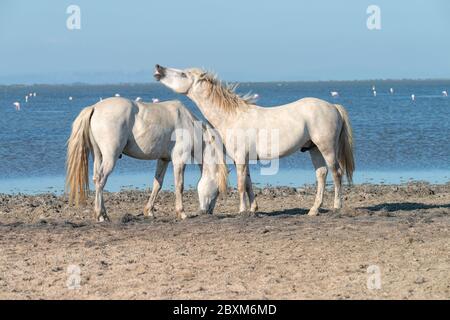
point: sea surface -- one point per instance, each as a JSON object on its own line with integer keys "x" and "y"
{"x": 396, "y": 139}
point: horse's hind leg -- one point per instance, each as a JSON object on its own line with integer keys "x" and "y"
{"x": 321, "y": 176}
{"x": 241, "y": 170}
{"x": 99, "y": 206}
{"x": 251, "y": 195}
{"x": 106, "y": 167}
{"x": 97, "y": 155}
{"x": 337, "y": 178}
{"x": 157, "y": 185}
{"x": 329, "y": 154}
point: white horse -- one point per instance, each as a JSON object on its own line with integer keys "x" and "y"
{"x": 309, "y": 124}
{"x": 165, "y": 132}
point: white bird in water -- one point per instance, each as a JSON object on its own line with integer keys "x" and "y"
{"x": 255, "y": 96}
{"x": 138, "y": 99}
{"x": 334, "y": 94}
{"x": 70, "y": 98}
{"x": 374, "y": 93}
{"x": 413, "y": 97}
{"x": 17, "y": 105}
{"x": 155, "y": 100}
{"x": 373, "y": 88}
{"x": 26, "y": 98}
{"x": 101, "y": 99}
{"x": 445, "y": 93}
{"x": 34, "y": 94}
{"x": 117, "y": 95}
{"x": 391, "y": 90}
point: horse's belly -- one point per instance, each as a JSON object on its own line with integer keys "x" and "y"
{"x": 149, "y": 148}
{"x": 281, "y": 144}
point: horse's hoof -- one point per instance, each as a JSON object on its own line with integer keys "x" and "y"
{"x": 313, "y": 212}
{"x": 181, "y": 215}
{"x": 254, "y": 208}
{"x": 242, "y": 209}
{"x": 148, "y": 213}
{"x": 103, "y": 219}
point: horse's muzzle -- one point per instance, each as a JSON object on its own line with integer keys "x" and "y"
{"x": 159, "y": 72}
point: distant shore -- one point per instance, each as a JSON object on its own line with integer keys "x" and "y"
{"x": 148, "y": 81}
{"x": 280, "y": 253}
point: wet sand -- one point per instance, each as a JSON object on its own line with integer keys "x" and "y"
{"x": 280, "y": 253}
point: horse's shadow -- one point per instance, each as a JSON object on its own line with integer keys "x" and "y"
{"x": 404, "y": 206}
{"x": 389, "y": 207}
{"x": 288, "y": 212}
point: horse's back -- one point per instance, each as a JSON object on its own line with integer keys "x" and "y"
{"x": 167, "y": 111}
{"x": 121, "y": 107}
{"x": 113, "y": 108}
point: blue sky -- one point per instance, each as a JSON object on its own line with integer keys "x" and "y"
{"x": 241, "y": 40}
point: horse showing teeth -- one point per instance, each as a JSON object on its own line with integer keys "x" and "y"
{"x": 311, "y": 124}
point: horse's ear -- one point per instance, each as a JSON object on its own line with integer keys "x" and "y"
{"x": 203, "y": 76}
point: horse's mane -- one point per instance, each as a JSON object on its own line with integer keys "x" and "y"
{"x": 222, "y": 168}
{"x": 222, "y": 94}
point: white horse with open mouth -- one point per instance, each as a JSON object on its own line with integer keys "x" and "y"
{"x": 308, "y": 124}
{"x": 166, "y": 132}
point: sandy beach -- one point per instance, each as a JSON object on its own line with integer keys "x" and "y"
{"x": 280, "y": 253}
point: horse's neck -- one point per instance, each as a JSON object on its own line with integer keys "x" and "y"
{"x": 209, "y": 159}
{"x": 215, "y": 116}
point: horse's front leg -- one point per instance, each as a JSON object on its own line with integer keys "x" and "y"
{"x": 178, "y": 172}
{"x": 241, "y": 170}
{"x": 251, "y": 195}
{"x": 157, "y": 185}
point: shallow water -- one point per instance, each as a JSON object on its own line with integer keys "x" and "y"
{"x": 292, "y": 177}
{"x": 396, "y": 139}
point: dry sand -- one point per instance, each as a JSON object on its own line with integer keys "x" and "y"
{"x": 281, "y": 253}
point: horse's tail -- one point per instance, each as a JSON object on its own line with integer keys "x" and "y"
{"x": 345, "y": 146}
{"x": 78, "y": 149}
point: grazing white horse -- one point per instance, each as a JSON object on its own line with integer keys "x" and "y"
{"x": 163, "y": 132}
{"x": 309, "y": 124}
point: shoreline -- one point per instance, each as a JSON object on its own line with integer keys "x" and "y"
{"x": 122, "y": 181}
{"x": 52, "y": 205}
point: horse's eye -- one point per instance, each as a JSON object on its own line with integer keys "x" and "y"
{"x": 183, "y": 75}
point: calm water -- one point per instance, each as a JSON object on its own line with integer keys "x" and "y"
{"x": 396, "y": 139}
